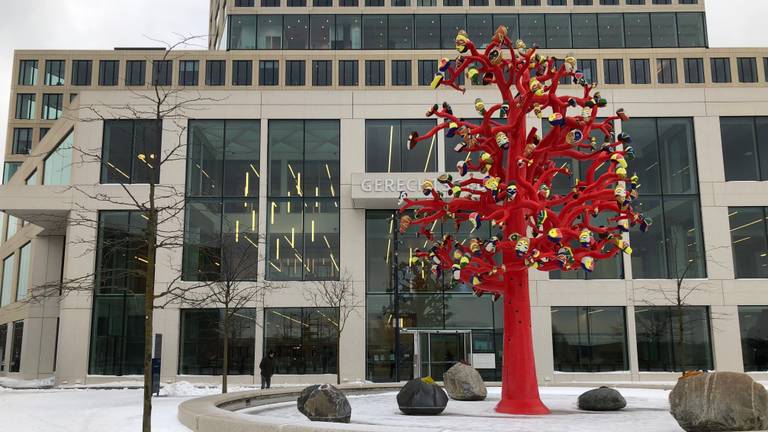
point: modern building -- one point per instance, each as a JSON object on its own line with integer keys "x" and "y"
{"x": 296, "y": 143}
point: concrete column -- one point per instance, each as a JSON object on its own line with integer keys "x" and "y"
{"x": 726, "y": 340}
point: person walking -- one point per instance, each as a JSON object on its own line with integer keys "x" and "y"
{"x": 267, "y": 367}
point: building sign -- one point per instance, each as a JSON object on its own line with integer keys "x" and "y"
{"x": 484, "y": 360}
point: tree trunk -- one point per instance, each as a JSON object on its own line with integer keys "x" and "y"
{"x": 519, "y": 388}
{"x": 225, "y": 369}
{"x": 149, "y": 308}
{"x": 338, "y": 358}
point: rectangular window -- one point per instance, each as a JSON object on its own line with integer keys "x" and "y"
{"x": 221, "y": 223}
{"x": 747, "y": 69}
{"x": 694, "y": 70}
{"x": 303, "y": 219}
{"x": 9, "y": 169}
{"x": 385, "y": 150}
{"x": 635, "y": 2}
{"x": 374, "y": 72}
{"x": 401, "y": 32}
{"x": 108, "y": 72}
{"x": 427, "y": 31}
{"x": 296, "y": 31}
{"x": 57, "y": 166}
{"x": 242, "y": 72}
{"x": 6, "y": 288}
{"x": 753, "y": 322}
{"x": 25, "y": 106}
{"x": 81, "y": 72}
{"x": 22, "y": 141}
{"x": 375, "y": 34}
{"x": 610, "y": 29}
{"x": 584, "y": 30}
{"x": 269, "y": 71}
{"x": 505, "y": 2}
{"x": 270, "y": 32}
{"x": 348, "y": 73}
{"x": 609, "y": 2}
{"x": 129, "y": 151}
{"x": 54, "y": 72}
{"x": 452, "y": 2}
{"x": 322, "y": 72}
{"x": 295, "y": 72}
{"x": 297, "y": 3}
{"x": 28, "y": 72}
{"x": 613, "y": 69}
{"x": 641, "y": 71}
{"x": 321, "y": 31}
{"x": 202, "y": 343}
{"x": 51, "y": 106}
{"x": 666, "y": 71}
{"x": 427, "y": 70}
{"x": 530, "y": 2}
{"x": 558, "y": 31}
{"x": 721, "y": 69}
{"x": 562, "y": 2}
{"x": 304, "y": 340}
{"x": 244, "y": 3}
{"x": 161, "y": 72}
{"x": 589, "y": 339}
{"x": 637, "y": 30}
{"x": 242, "y": 32}
{"x": 270, "y": 3}
{"x": 3, "y": 344}
{"x": 215, "y": 72}
{"x": 401, "y": 72}
{"x": 745, "y": 148}
{"x": 135, "y": 72}
{"x": 374, "y": 3}
{"x": 662, "y": 2}
{"x": 673, "y": 339}
{"x": 532, "y": 30}
{"x": 749, "y": 241}
{"x": 322, "y": 3}
{"x": 13, "y": 224}
{"x": 189, "y": 72}
{"x": 348, "y": 3}
{"x": 348, "y": 32}
{"x": 16, "y": 340}
{"x": 478, "y": 2}
{"x": 397, "y": 3}
{"x": 22, "y": 283}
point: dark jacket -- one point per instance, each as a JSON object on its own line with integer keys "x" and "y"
{"x": 267, "y": 366}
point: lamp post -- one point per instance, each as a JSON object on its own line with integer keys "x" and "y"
{"x": 396, "y": 282}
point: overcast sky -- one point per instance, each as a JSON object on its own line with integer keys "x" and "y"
{"x": 105, "y": 24}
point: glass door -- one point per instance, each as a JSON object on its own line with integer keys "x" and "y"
{"x": 437, "y": 351}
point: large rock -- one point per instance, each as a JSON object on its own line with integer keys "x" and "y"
{"x": 324, "y": 403}
{"x": 719, "y": 401}
{"x": 422, "y": 397}
{"x": 463, "y": 382}
{"x": 602, "y": 399}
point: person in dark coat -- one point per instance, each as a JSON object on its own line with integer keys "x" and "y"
{"x": 267, "y": 367}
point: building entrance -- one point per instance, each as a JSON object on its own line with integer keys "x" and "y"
{"x": 435, "y": 351}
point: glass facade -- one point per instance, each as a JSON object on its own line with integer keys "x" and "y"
{"x": 9, "y": 169}
{"x": 749, "y": 241}
{"x": 57, "y": 167}
{"x": 17, "y": 339}
{"x": 753, "y": 322}
{"x": 3, "y": 344}
{"x": 6, "y": 287}
{"x": 22, "y": 283}
{"x": 673, "y": 339}
{"x": 386, "y": 146}
{"x": 202, "y": 342}
{"x": 304, "y": 340}
{"x": 589, "y": 339}
{"x": 745, "y": 148}
{"x": 129, "y": 150}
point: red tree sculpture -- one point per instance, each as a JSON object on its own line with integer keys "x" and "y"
{"x": 506, "y": 181}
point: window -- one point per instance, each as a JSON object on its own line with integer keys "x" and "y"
{"x": 202, "y": 343}
{"x": 322, "y": 3}
{"x": 268, "y": 72}
{"x": 54, "y": 72}
{"x": 270, "y": 32}
{"x": 22, "y": 283}
{"x": 6, "y": 288}
{"x": 721, "y": 69}
{"x": 270, "y": 3}
{"x": 348, "y": 32}
{"x": 609, "y": 2}
{"x": 374, "y": 72}
{"x": 304, "y": 340}
{"x": 666, "y": 71}
{"x": 25, "y": 106}
{"x": 401, "y": 72}
{"x": 221, "y": 222}
{"x": 16, "y": 340}
{"x": 242, "y": 32}
{"x": 530, "y": 2}
{"x": 532, "y": 29}
{"x": 189, "y": 72}
{"x": 117, "y": 324}
{"x": 480, "y": 28}
{"x": 637, "y": 30}
{"x": 58, "y": 165}
{"x": 374, "y": 32}
{"x": 242, "y": 72}
{"x": 662, "y": 1}
{"x": 44, "y": 132}
{"x": 322, "y": 73}
{"x": 22, "y": 141}
{"x": 664, "y": 30}
{"x": 614, "y": 71}
{"x": 749, "y": 241}
{"x": 297, "y": 3}
{"x": 374, "y": 2}
{"x": 673, "y": 339}
{"x": 753, "y": 322}
{"x": 558, "y": 31}
{"x": 589, "y": 68}
{"x": 386, "y": 150}
{"x": 348, "y": 73}
{"x": 694, "y": 70}
{"x": 689, "y": 1}
{"x": 296, "y": 31}
{"x": 135, "y": 72}
{"x": 81, "y": 72}
{"x": 215, "y": 72}
{"x": 51, "y": 107}
{"x": 452, "y": 2}
{"x": 427, "y": 31}
{"x": 129, "y": 151}
{"x": 161, "y": 72}
{"x": 666, "y": 155}
{"x": 244, "y": 3}
{"x": 589, "y": 339}
{"x": 295, "y": 72}
{"x": 562, "y": 2}
{"x": 745, "y": 148}
{"x": 303, "y": 219}
{"x": 9, "y": 169}
{"x": 351, "y": 3}
{"x": 478, "y": 2}
{"x": 108, "y": 72}
{"x": 505, "y": 2}
{"x": 28, "y": 72}
{"x": 747, "y": 69}
{"x": 3, "y": 344}
{"x": 427, "y": 70}
{"x": 765, "y": 67}
{"x": 12, "y": 227}
{"x": 401, "y": 32}
{"x": 635, "y": 2}
{"x": 641, "y": 71}
{"x": 321, "y": 31}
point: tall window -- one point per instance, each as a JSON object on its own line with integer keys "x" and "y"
{"x": 135, "y": 72}
{"x": 222, "y": 198}
{"x": 189, "y": 72}
{"x": 401, "y": 72}
{"x": 215, "y": 72}
{"x": 295, "y": 72}
{"x": 130, "y": 150}
{"x": 374, "y": 3}
{"x": 348, "y": 73}
{"x": 51, "y": 106}
{"x": 28, "y": 72}
{"x": 3, "y": 344}
{"x": 22, "y": 282}
{"x": 386, "y": 146}
{"x": 352, "y": 3}
{"x": 22, "y": 141}
{"x": 589, "y": 339}
{"x": 25, "y": 106}
{"x": 374, "y": 72}
{"x": 747, "y": 67}
{"x": 81, "y": 72}
{"x": 269, "y": 72}
{"x": 242, "y": 72}
{"x": 202, "y": 342}
{"x": 304, "y": 340}
{"x": 589, "y": 68}
{"x": 666, "y": 155}
{"x": 614, "y": 71}
{"x": 244, "y": 3}
{"x": 322, "y": 72}
{"x": 673, "y": 339}
{"x": 161, "y": 72}
{"x": 749, "y": 241}
{"x": 54, "y": 72}
{"x": 16, "y": 340}
{"x": 753, "y": 322}
{"x": 108, "y": 72}
{"x": 641, "y": 71}
{"x": 9, "y": 169}
{"x": 303, "y": 219}
{"x": 721, "y": 69}
{"x": 57, "y": 167}
{"x": 505, "y": 2}
{"x": 427, "y": 69}
{"x": 6, "y": 288}
{"x": 694, "y": 70}
{"x": 745, "y": 148}
{"x": 666, "y": 71}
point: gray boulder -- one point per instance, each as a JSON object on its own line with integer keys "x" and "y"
{"x": 602, "y": 399}
{"x": 422, "y": 397}
{"x": 324, "y": 403}
{"x": 463, "y": 382}
{"x": 719, "y": 401}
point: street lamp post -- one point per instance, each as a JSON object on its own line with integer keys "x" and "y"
{"x": 396, "y": 282}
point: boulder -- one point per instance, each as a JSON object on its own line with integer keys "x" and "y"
{"x": 719, "y": 401}
{"x": 463, "y": 382}
{"x": 422, "y": 397}
{"x": 324, "y": 403}
{"x": 602, "y": 399}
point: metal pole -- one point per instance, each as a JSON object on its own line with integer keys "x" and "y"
{"x": 396, "y": 281}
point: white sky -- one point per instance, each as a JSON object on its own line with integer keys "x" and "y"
{"x": 105, "y": 24}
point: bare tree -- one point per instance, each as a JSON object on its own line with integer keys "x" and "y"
{"x": 338, "y": 294}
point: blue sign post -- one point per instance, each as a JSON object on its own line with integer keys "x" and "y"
{"x": 156, "y": 376}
